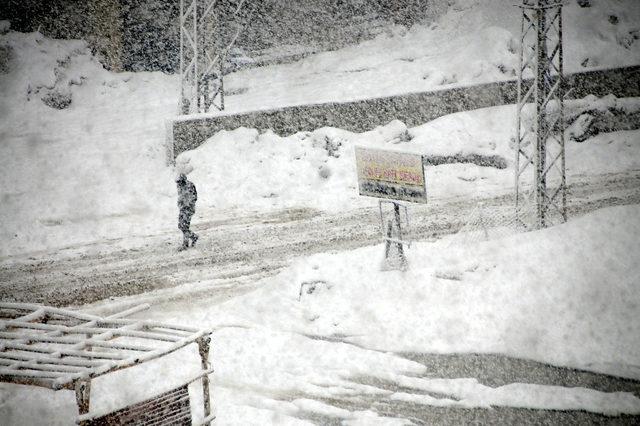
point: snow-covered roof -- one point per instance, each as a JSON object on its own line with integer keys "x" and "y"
{"x": 54, "y": 348}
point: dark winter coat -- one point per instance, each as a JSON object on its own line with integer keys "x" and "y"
{"x": 187, "y": 196}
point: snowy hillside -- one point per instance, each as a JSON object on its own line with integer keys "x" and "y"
{"x": 72, "y": 174}
{"x": 475, "y": 42}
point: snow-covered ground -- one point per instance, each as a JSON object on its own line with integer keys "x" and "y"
{"x": 96, "y": 169}
{"x": 509, "y": 296}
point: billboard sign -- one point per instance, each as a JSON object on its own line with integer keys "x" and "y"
{"x": 391, "y": 174}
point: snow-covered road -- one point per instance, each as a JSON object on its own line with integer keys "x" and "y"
{"x": 234, "y": 253}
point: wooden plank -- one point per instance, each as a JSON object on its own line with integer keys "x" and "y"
{"x": 111, "y": 320}
{"x": 203, "y": 350}
{"x": 44, "y": 338}
{"x": 130, "y": 311}
{"x": 119, "y": 332}
{"x": 35, "y": 365}
{"x": 66, "y": 352}
{"x": 29, "y": 373}
{"x": 16, "y": 356}
{"x": 33, "y": 316}
{"x": 29, "y": 381}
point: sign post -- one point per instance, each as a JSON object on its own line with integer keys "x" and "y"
{"x": 392, "y": 176}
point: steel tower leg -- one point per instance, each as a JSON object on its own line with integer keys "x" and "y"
{"x": 540, "y": 131}
{"x": 208, "y": 29}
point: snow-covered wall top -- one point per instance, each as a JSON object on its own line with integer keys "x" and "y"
{"x": 413, "y": 109}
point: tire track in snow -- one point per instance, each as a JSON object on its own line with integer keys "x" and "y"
{"x": 228, "y": 249}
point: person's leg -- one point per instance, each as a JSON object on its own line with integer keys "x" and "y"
{"x": 190, "y": 234}
{"x": 183, "y": 225}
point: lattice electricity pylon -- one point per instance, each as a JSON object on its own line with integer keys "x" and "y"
{"x": 540, "y": 135}
{"x": 208, "y": 29}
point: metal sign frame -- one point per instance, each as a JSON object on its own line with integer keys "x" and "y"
{"x": 394, "y": 233}
{"x": 393, "y": 175}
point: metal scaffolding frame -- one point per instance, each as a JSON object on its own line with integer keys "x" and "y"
{"x": 540, "y": 142}
{"x": 205, "y": 41}
{"x": 63, "y": 349}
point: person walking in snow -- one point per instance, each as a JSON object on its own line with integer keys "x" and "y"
{"x": 187, "y": 197}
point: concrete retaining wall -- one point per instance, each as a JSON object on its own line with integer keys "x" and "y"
{"x": 413, "y": 109}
